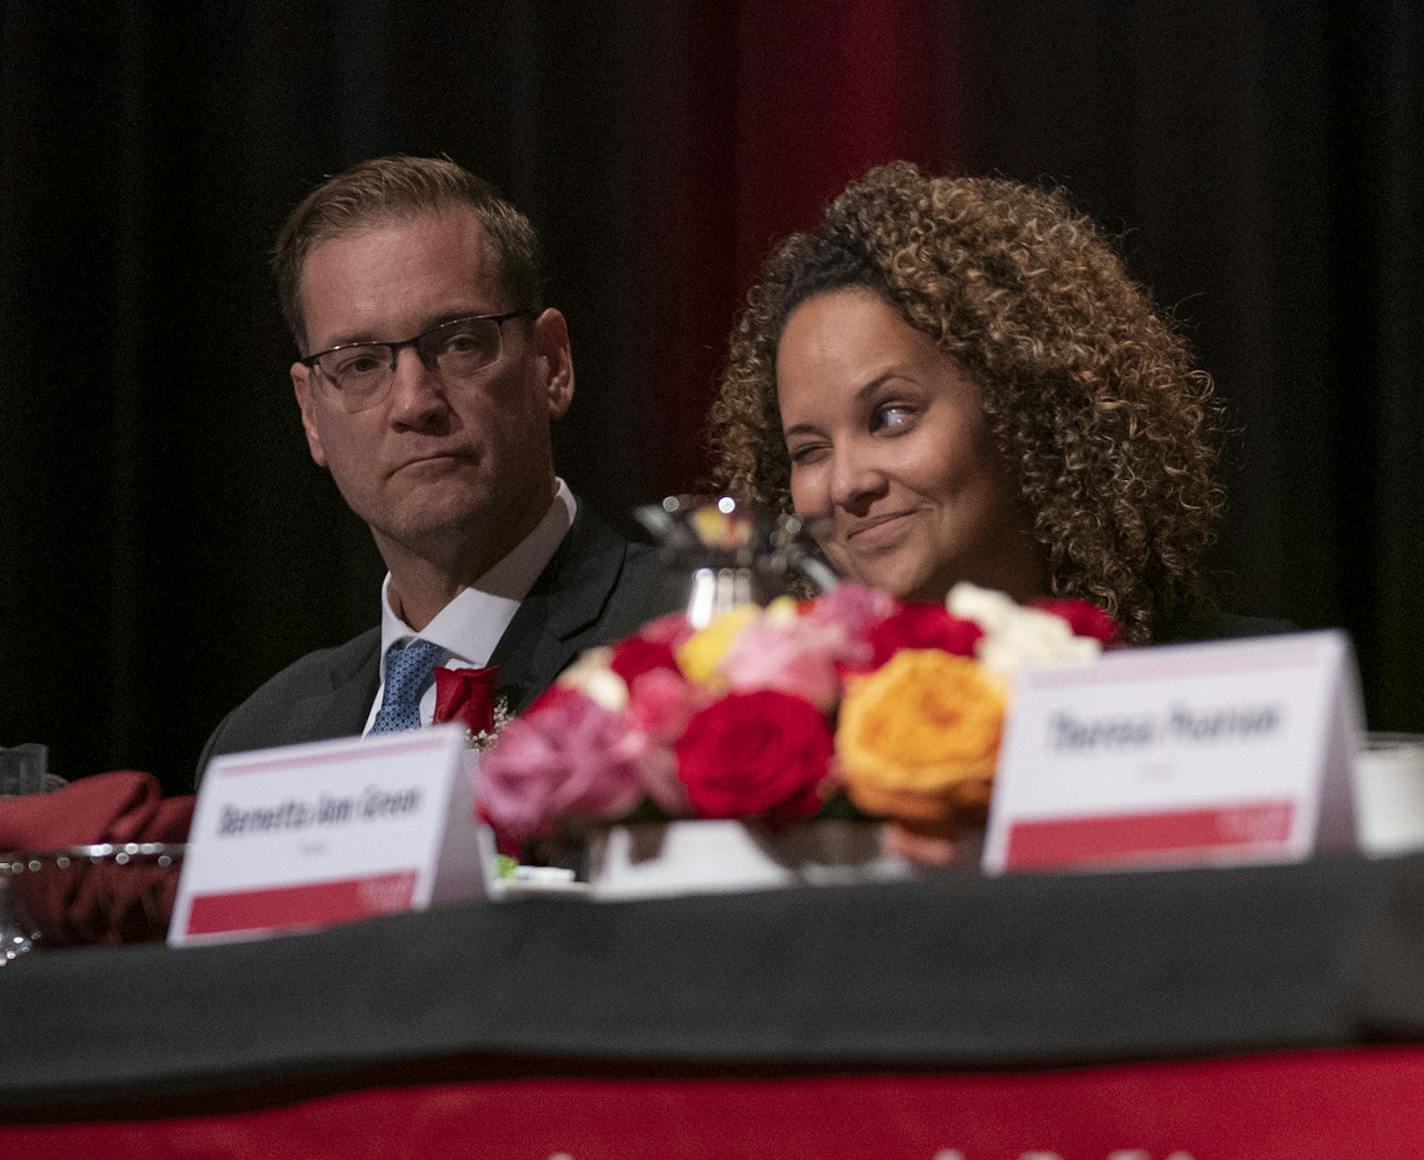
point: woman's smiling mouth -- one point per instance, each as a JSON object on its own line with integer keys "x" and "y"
{"x": 878, "y": 531}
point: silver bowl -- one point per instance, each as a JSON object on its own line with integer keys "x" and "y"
{"x": 99, "y": 895}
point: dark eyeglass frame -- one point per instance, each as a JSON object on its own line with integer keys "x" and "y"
{"x": 313, "y": 361}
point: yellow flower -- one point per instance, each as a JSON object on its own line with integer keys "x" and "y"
{"x": 918, "y": 739}
{"x": 782, "y": 610}
{"x": 699, "y": 654}
{"x": 719, "y": 529}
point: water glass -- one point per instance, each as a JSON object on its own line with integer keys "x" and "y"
{"x": 1389, "y": 793}
{"x": 22, "y": 770}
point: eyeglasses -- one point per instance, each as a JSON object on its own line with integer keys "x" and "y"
{"x": 359, "y": 374}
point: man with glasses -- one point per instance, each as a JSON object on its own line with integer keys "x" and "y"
{"x": 431, "y": 372}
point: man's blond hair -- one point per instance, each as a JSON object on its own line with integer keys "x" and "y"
{"x": 396, "y": 188}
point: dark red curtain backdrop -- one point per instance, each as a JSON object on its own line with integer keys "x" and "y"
{"x": 826, "y": 91}
{"x": 165, "y": 544}
{"x": 777, "y": 105}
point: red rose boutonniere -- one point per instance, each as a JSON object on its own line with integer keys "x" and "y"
{"x": 467, "y": 696}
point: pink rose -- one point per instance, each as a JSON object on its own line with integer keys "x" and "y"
{"x": 660, "y": 704}
{"x": 796, "y": 657}
{"x": 856, "y": 609}
{"x": 657, "y": 774}
{"x": 561, "y": 761}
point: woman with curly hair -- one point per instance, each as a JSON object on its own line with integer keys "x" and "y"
{"x": 959, "y": 379}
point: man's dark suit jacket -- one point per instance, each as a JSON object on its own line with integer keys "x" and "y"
{"x": 596, "y": 588}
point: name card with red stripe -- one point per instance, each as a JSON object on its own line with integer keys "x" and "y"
{"x": 1225, "y": 753}
{"x": 333, "y": 831}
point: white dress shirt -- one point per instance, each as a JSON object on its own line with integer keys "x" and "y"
{"x": 469, "y": 627}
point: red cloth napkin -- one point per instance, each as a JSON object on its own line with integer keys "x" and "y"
{"x": 123, "y": 806}
{"x": 104, "y": 902}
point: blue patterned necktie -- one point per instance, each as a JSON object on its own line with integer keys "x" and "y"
{"x": 410, "y": 668}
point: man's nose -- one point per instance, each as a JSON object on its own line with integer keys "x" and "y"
{"x": 856, "y": 477}
{"x": 417, "y": 394}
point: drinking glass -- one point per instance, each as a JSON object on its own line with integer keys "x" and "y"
{"x": 23, "y": 771}
{"x": 724, "y": 553}
{"x": 1389, "y": 793}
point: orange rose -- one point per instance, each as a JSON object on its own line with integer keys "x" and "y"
{"x": 919, "y": 738}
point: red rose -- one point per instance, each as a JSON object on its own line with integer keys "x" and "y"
{"x": 466, "y": 696}
{"x": 550, "y": 699}
{"x": 638, "y": 655}
{"x": 918, "y": 625}
{"x": 1083, "y": 616}
{"x": 757, "y": 754}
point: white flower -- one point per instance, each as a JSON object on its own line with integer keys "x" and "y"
{"x": 1034, "y": 638}
{"x": 1014, "y": 636}
{"x": 989, "y": 609}
{"x": 592, "y": 677}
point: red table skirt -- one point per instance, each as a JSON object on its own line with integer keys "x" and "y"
{"x": 1366, "y": 1102}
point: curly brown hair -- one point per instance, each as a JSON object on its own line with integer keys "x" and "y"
{"x": 1090, "y": 397}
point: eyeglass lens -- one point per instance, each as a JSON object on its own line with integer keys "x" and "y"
{"x": 455, "y": 351}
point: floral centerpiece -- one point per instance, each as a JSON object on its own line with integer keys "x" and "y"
{"x": 850, "y": 703}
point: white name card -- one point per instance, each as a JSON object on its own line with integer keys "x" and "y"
{"x": 333, "y": 831}
{"x": 1186, "y": 754}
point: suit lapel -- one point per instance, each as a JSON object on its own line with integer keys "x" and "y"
{"x": 341, "y": 708}
{"x": 568, "y": 597}
{"x": 545, "y": 634}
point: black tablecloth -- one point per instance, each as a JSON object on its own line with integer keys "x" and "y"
{"x": 1026, "y": 971}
